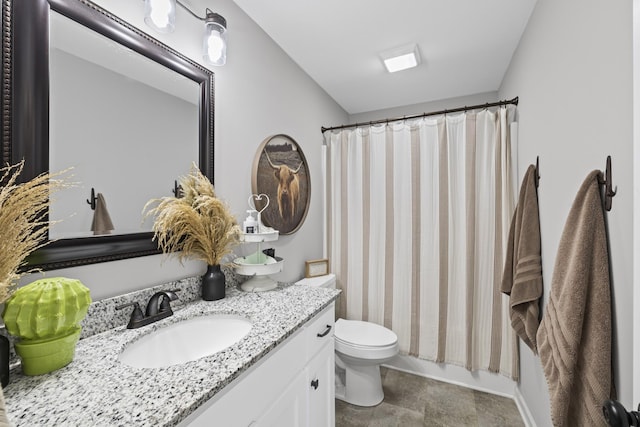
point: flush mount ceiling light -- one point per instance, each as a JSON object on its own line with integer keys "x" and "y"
{"x": 161, "y": 16}
{"x": 401, "y": 58}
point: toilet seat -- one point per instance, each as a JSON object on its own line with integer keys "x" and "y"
{"x": 364, "y": 340}
{"x": 364, "y": 334}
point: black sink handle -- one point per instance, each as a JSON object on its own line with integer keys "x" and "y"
{"x": 136, "y": 314}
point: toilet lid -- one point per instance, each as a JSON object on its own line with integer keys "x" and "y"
{"x": 364, "y": 333}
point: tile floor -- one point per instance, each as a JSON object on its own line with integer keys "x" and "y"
{"x": 410, "y": 400}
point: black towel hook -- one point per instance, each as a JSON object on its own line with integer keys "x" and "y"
{"x": 609, "y": 192}
{"x": 177, "y": 189}
{"x": 536, "y": 176}
{"x": 93, "y": 199}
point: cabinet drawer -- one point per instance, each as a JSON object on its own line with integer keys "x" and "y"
{"x": 320, "y": 331}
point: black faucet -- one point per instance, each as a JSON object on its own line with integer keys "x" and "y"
{"x": 158, "y": 308}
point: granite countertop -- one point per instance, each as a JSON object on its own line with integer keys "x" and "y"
{"x": 96, "y": 389}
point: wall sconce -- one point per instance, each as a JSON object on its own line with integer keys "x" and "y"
{"x": 161, "y": 16}
{"x": 215, "y": 39}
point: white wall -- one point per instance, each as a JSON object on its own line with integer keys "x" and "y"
{"x": 260, "y": 92}
{"x": 573, "y": 73}
{"x": 475, "y": 99}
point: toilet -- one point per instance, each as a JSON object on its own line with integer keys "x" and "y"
{"x": 360, "y": 349}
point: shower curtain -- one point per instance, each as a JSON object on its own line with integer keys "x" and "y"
{"x": 417, "y": 217}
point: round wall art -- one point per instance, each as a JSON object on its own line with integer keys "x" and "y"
{"x": 280, "y": 171}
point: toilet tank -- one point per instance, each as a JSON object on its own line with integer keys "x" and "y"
{"x": 326, "y": 281}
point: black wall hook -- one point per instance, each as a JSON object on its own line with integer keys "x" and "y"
{"x": 609, "y": 192}
{"x": 93, "y": 199}
{"x": 536, "y": 176}
{"x": 177, "y": 189}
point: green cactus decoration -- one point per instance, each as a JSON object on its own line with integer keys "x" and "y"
{"x": 46, "y": 316}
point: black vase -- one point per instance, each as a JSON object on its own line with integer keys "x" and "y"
{"x": 4, "y": 360}
{"x": 213, "y": 284}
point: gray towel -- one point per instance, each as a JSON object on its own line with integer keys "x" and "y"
{"x": 522, "y": 278}
{"x": 101, "y": 220}
{"x": 574, "y": 338}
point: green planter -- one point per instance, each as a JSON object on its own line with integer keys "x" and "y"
{"x": 47, "y": 355}
{"x": 46, "y": 316}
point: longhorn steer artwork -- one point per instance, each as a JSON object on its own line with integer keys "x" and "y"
{"x": 288, "y": 188}
{"x": 280, "y": 171}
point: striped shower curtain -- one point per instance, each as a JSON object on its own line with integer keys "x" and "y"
{"x": 418, "y": 214}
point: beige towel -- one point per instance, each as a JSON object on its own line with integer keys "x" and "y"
{"x": 574, "y": 339}
{"x": 522, "y": 278}
{"x": 101, "y": 220}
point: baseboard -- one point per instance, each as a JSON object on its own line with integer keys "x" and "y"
{"x": 527, "y": 417}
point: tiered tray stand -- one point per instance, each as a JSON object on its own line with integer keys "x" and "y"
{"x": 258, "y": 265}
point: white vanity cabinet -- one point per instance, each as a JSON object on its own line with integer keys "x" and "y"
{"x": 292, "y": 386}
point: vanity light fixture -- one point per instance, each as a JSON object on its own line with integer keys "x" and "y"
{"x": 215, "y": 39}
{"x": 161, "y": 16}
{"x": 401, "y": 58}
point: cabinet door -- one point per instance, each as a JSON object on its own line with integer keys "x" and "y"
{"x": 321, "y": 388}
{"x": 255, "y": 391}
{"x": 290, "y": 409}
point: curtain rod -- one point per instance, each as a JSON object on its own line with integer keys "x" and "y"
{"x": 513, "y": 101}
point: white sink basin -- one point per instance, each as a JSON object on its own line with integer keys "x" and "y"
{"x": 185, "y": 341}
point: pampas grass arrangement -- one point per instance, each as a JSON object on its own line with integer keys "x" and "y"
{"x": 23, "y": 221}
{"x": 197, "y": 225}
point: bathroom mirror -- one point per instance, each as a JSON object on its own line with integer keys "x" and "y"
{"x": 40, "y": 100}
{"x": 147, "y": 117}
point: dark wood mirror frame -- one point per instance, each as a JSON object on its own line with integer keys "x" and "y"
{"x": 25, "y": 111}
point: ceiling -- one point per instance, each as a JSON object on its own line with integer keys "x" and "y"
{"x": 465, "y": 45}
